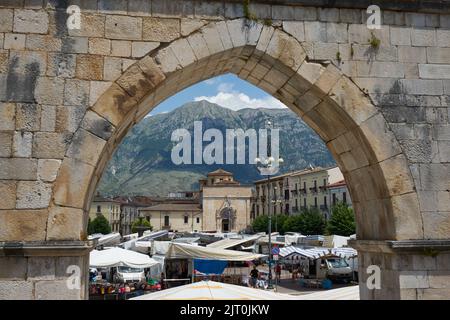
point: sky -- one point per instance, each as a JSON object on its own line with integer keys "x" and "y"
{"x": 227, "y": 90}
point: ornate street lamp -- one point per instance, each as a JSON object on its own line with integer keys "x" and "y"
{"x": 268, "y": 164}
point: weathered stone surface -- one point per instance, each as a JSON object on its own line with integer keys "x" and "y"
{"x": 22, "y": 146}
{"x": 33, "y": 195}
{"x": 55, "y": 290}
{"x": 14, "y": 41}
{"x": 140, "y": 49}
{"x": 114, "y": 104}
{"x": 6, "y": 143}
{"x": 23, "y": 225}
{"x": 407, "y": 217}
{"x": 48, "y": 169}
{"x": 20, "y": 169}
{"x": 75, "y": 45}
{"x": 13, "y": 268}
{"x": 72, "y": 183}
{"x": 436, "y": 225}
{"x": 89, "y": 67}
{"x": 8, "y": 192}
{"x": 16, "y": 290}
{"x": 97, "y": 125}
{"x": 41, "y": 268}
{"x": 61, "y": 65}
{"x": 65, "y": 224}
{"x": 124, "y": 28}
{"x": 50, "y": 145}
{"x": 49, "y": 91}
{"x": 86, "y": 147}
{"x": 30, "y": 21}
{"x": 99, "y": 46}
{"x": 28, "y": 117}
{"x": 68, "y": 118}
{"x": 76, "y": 93}
{"x": 8, "y": 116}
{"x": 48, "y": 118}
{"x": 112, "y": 68}
{"x": 121, "y": 48}
{"x": 161, "y": 30}
{"x": 189, "y": 25}
{"x": 91, "y": 26}
{"x": 6, "y": 20}
{"x": 43, "y": 43}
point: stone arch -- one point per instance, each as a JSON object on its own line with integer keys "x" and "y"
{"x": 354, "y": 130}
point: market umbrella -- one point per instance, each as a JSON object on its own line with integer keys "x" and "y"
{"x": 115, "y": 257}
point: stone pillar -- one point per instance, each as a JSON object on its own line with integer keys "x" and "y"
{"x": 409, "y": 269}
{"x": 39, "y": 270}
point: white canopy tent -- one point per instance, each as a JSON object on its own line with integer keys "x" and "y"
{"x": 187, "y": 251}
{"x": 230, "y": 242}
{"x": 116, "y": 257}
{"x": 317, "y": 252}
{"x": 211, "y": 290}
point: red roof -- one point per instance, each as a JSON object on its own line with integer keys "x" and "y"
{"x": 341, "y": 183}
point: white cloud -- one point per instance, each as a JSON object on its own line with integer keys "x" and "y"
{"x": 237, "y": 100}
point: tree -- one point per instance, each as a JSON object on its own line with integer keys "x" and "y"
{"x": 307, "y": 222}
{"x": 261, "y": 223}
{"x": 140, "y": 222}
{"x": 100, "y": 225}
{"x": 342, "y": 221}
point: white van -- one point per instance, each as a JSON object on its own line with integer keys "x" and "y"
{"x": 128, "y": 274}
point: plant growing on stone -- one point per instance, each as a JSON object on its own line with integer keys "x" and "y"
{"x": 247, "y": 14}
{"x": 374, "y": 41}
{"x": 338, "y": 57}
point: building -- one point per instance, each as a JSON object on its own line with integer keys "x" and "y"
{"x": 225, "y": 202}
{"x": 292, "y": 192}
{"x": 338, "y": 192}
{"x": 221, "y": 205}
{"x": 109, "y": 208}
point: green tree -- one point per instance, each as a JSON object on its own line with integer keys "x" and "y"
{"x": 100, "y": 225}
{"x": 140, "y": 222}
{"x": 342, "y": 221}
{"x": 261, "y": 223}
{"x": 309, "y": 221}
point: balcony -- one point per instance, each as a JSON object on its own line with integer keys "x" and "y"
{"x": 294, "y": 192}
{"x": 324, "y": 207}
{"x": 303, "y": 190}
{"x": 313, "y": 189}
{"x": 323, "y": 188}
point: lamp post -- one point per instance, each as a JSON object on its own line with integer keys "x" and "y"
{"x": 269, "y": 163}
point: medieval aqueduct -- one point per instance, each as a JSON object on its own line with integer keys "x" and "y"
{"x": 68, "y": 97}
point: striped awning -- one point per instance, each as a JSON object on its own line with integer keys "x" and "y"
{"x": 315, "y": 253}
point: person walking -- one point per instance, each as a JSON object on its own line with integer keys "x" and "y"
{"x": 254, "y": 275}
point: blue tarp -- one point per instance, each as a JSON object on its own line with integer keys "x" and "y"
{"x": 210, "y": 266}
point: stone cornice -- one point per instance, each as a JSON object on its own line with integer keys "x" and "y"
{"x": 45, "y": 248}
{"x": 401, "y": 246}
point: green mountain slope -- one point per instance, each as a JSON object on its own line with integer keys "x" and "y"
{"x": 142, "y": 164}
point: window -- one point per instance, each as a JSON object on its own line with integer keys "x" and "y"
{"x": 186, "y": 219}
{"x": 304, "y": 202}
{"x": 198, "y": 220}
{"x": 315, "y": 202}
{"x": 324, "y": 182}
{"x": 99, "y": 209}
{"x": 344, "y": 197}
{"x": 166, "y": 221}
{"x": 325, "y": 201}
{"x": 315, "y": 183}
{"x": 334, "y": 199}
{"x": 304, "y": 185}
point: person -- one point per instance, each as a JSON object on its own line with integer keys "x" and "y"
{"x": 294, "y": 272}
{"x": 254, "y": 274}
{"x": 278, "y": 271}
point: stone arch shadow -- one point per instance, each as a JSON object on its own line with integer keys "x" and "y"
{"x": 354, "y": 130}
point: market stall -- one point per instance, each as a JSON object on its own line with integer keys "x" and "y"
{"x": 119, "y": 274}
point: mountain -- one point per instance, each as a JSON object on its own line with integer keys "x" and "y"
{"x": 142, "y": 164}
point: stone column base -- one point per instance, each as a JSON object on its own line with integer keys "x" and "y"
{"x": 44, "y": 270}
{"x": 411, "y": 269}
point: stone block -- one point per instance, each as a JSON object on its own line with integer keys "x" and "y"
{"x": 412, "y": 54}
{"x": 55, "y": 290}
{"x": 13, "y": 268}
{"x": 43, "y": 43}
{"x": 41, "y": 268}
{"x": 72, "y": 183}
{"x": 140, "y": 8}
{"x": 140, "y": 49}
{"x": 112, "y": 68}
{"x": 8, "y": 116}
{"x": 325, "y": 51}
{"x": 329, "y": 14}
{"x": 280, "y": 12}
{"x": 97, "y": 88}
{"x": 436, "y": 225}
{"x": 33, "y": 195}
{"x": 413, "y": 280}
{"x": 415, "y": 19}
{"x": 61, "y": 65}
{"x": 434, "y": 71}
{"x": 6, "y": 20}
{"x": 48, "y": 118}
{"x": 89, "y": 67}
{"x": 14, "y": 41}
{"x": 65, "y": 224}
{"x": 209, "y": 10}
{"x": 305, "y": 13}
{"x": 86, "y": 147}
{"x": 350, "y": 15}
{"x": 31, "y": 21}
{"x": 50, "y": 145}
{"x": 97, "y": 125}
{"x": 443, "y": 38}
{"x": 400, "y": 36}
{"x": 434, "y": 176}
{"x": 68, "y": 118}
{"x": 444, "y": 151}
{"x": 174, "y": 8}
{"x": 23, "y": 225}
{"x": 438, "y": 55}
{"x": 28, "y": 117}
{"x": 189, "y": 25}
{"x": 337, "y": 32}
{"x": 121, "y": 48}
{"x": 6, "y": 144}
{"x": 8, "y": 192}
{"x": 160, "y": 30}
{"x": 419, "y": 86}
{"x": 92, "y": 25}
{"x": 100, "y": 46}
{"x": 295, "y": 28}
{"x": 49, "y": 91}
{"x": 423, "y": 37}
{"x": 124, "y": 28}
{"x": 397, "y": 175}
{"x": 75, "y": 45}
{"x": 16, "y": 290}
{"x": 315, "y": 31}
{"x": 76, "y": 92}
{"x": 48, "y": 169}
{"x": 22, "y": 146}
